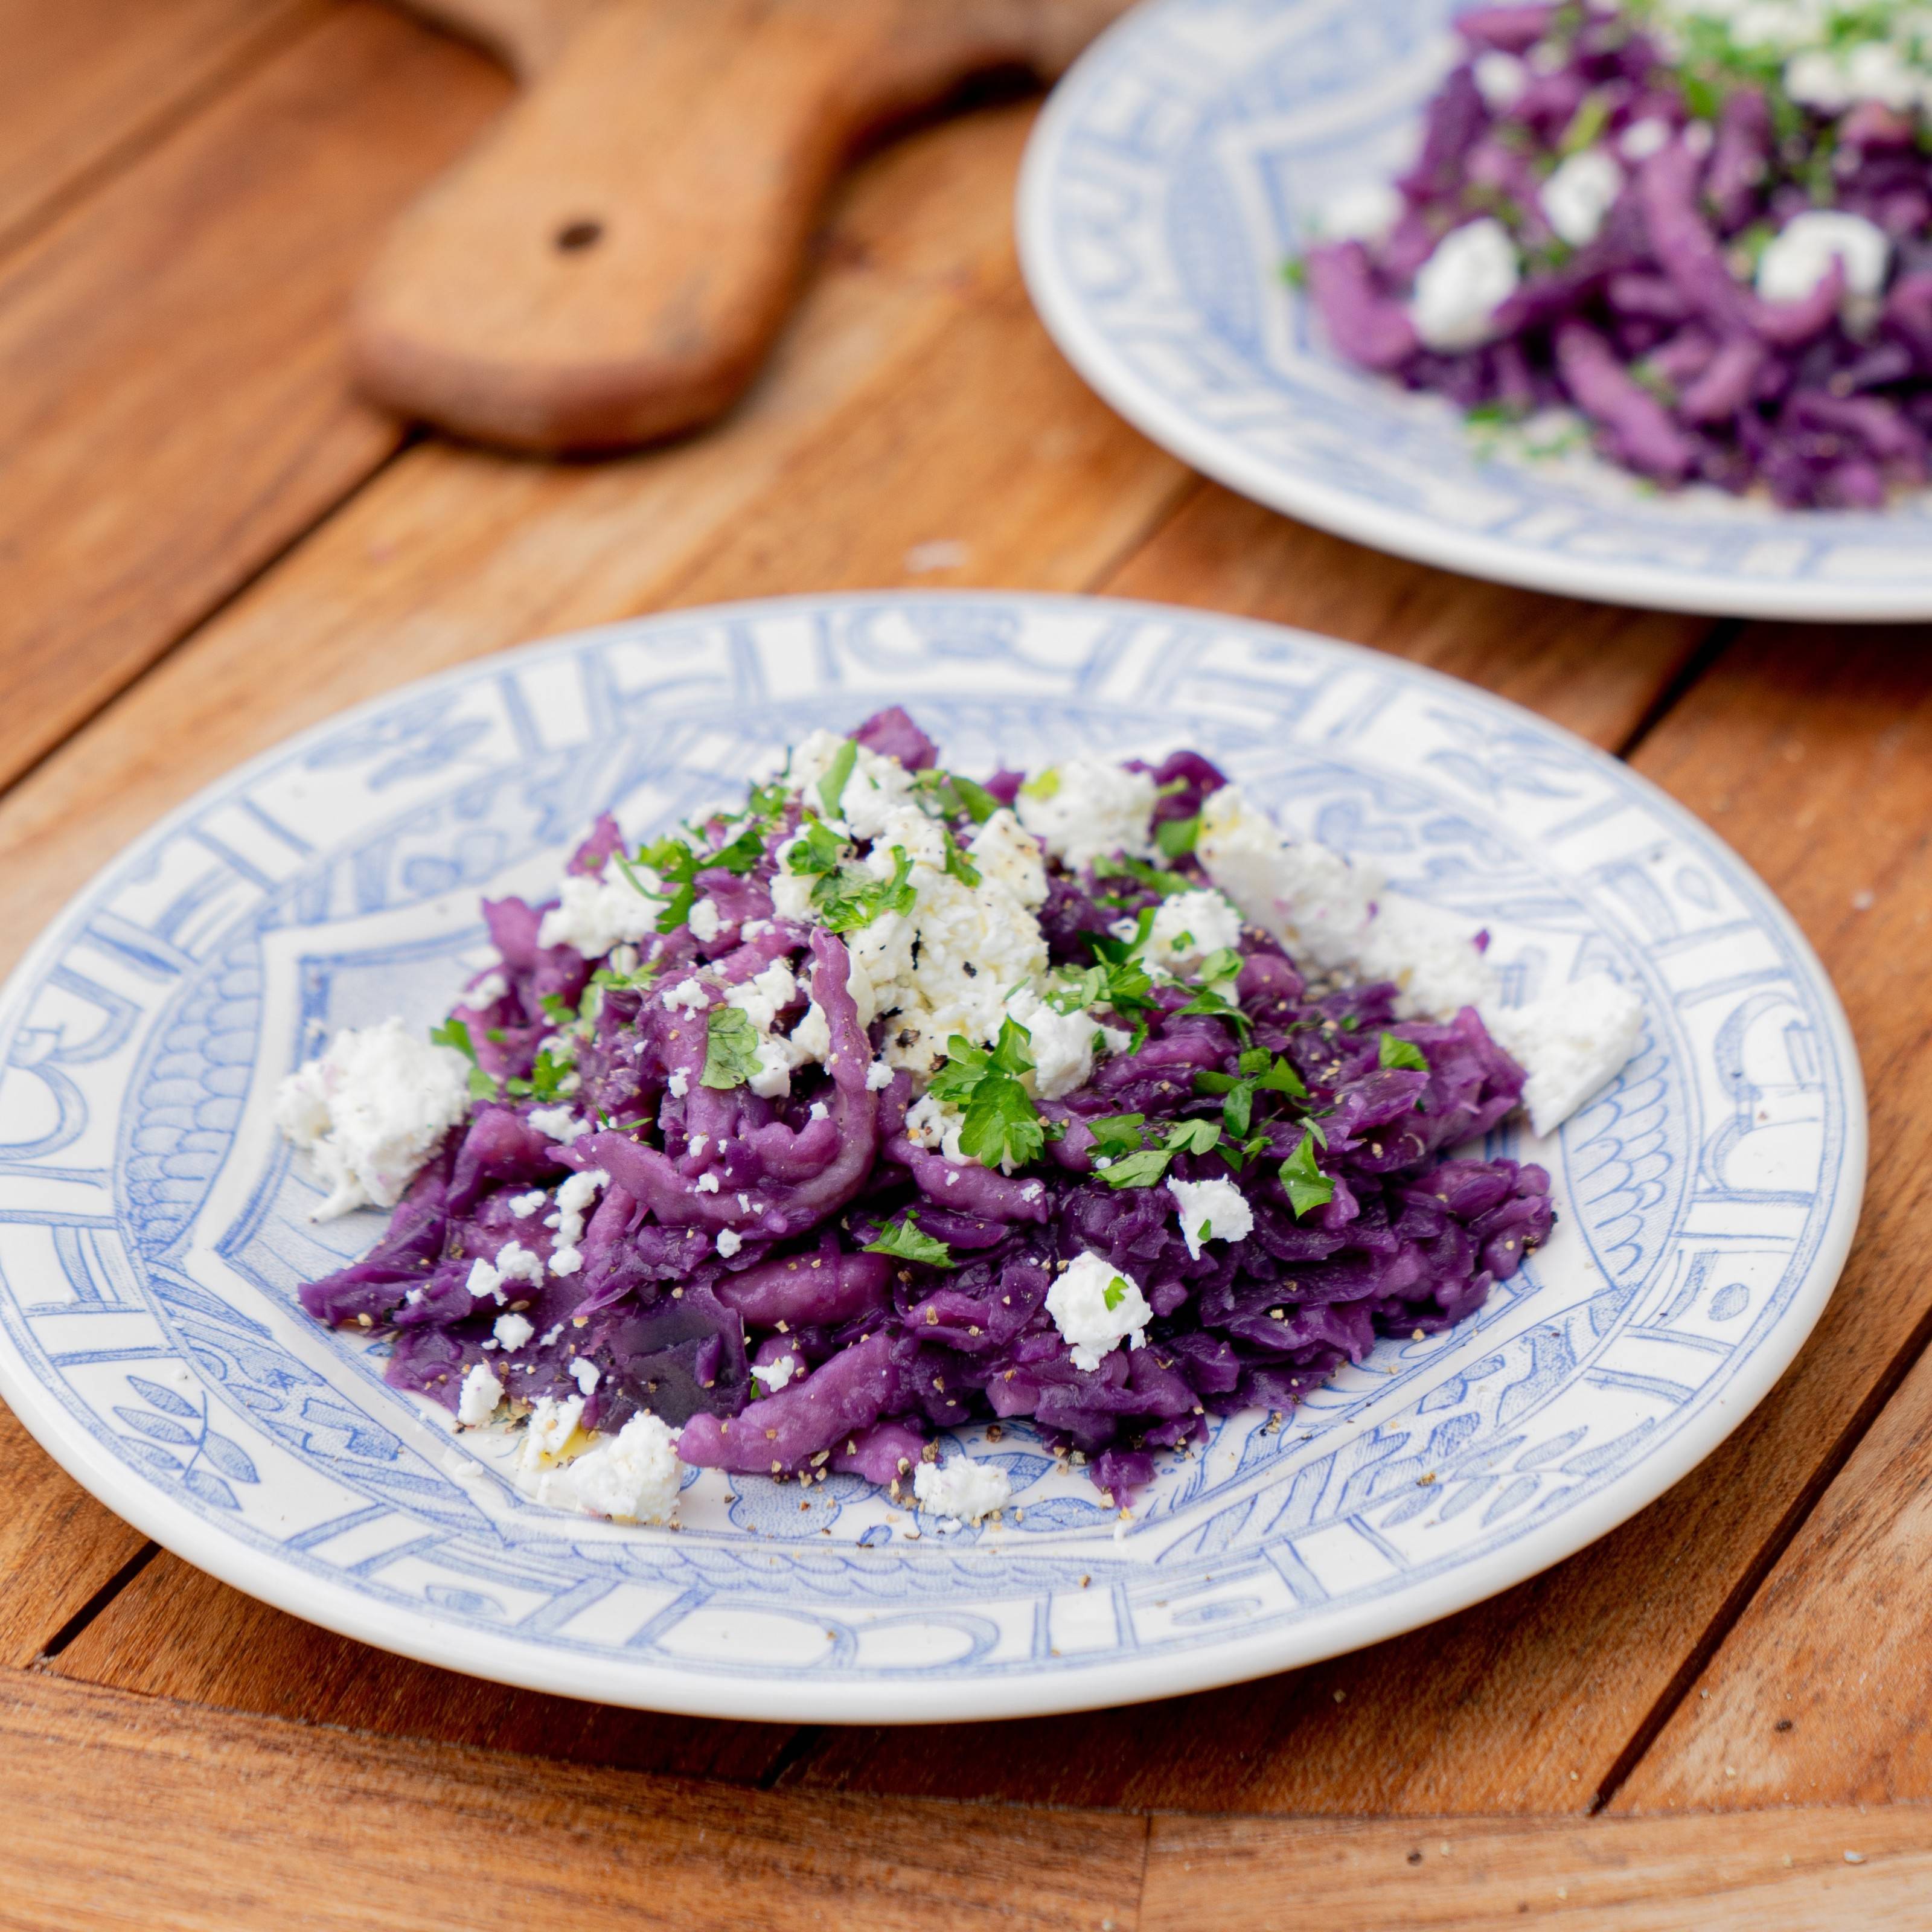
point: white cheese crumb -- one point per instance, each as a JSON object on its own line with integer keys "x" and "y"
{"x": 1458, "y": 290}
{"x": 1096, "y": 1308}
{"x": 481, "y": 1394}
{"x": 565, "y": 1260}
{"x": 1087, "y": 810}
{"x": 931, "y": 1123}
{"x": 559, "y": 1124}
{"x": 1643, "y": 139}
{"x": 774, "y": 1375}
{"x": 1188, "y": 927}
{"x": 595, "y": 912}
{"x": 877, "y": 785}
{"x": 962, "y": 1489}
{"x": 552, "y": 1425}
{"x": 370, "y": 1110}
{"x": 573, "y": 1198}
{"x": 514, "y": 1262}
{"x": 512, "y": 1331}
{"x": 1571, "y": 1042}
{"x": 707, "y": 1183}
{"x": 686, "y": 996}
{"x": 679, "y": 1085}
{"x": 706, "y": 921}
{"x": 633, "y": 1476}
{"x": 487, "y": 991}
{"x": 729, "y": 1242}
{"x": 1579, "y": 196}
{"x": 878, "y": 1077}
{"x": 819, "y": 1111}
{"x": 524, "y": 1205}
{"x": 1210, "y": 1210}
{"x": 1501, "y": 79}
{"x": 1800, "y": 256}
{"x": 1007, "y": 854}
{"x": 585, "y": 1374}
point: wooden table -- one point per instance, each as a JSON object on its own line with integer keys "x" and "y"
{"x": 207, "y": 543}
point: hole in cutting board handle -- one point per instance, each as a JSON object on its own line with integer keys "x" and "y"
{"x": 575, "y": 236}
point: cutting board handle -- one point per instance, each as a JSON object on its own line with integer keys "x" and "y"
{"x": 611, "y": 266}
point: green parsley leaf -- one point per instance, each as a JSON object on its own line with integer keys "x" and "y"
{"x": 731, "y": 1048}
{"x": 454, "y": 1034}
{"x": 1046, "y": 786}
{"x": 1118, "y": 1134}
{"x": 1281, "y": 1078}
{"x": 1168, "y": 884}
{"x": 851, "y": 897}
{"x": 1001, "y": 1126}
{"x": 1404, "y": 1053}
{"x": 816, "y": 849}
{"x": 742, "y": 853}
{"x": 1294, "y": 272}
{"x": 958, "y": 865}
{"x": 955, "y": 796}
{"x": 1113, "y": 1293}
{"x": 1193, "y": 1137}
{"x": 1175, "y": 837}
{"x": 838, "y": 775}
{"x": 546, "y": 1080}
{"x": 903, "y": 1241}
{"x": 1307, "y": 1186}
{"x": 1147, "y": 1169}
{"x": 557, "y": 1009}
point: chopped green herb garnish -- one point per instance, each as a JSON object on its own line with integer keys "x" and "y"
{"x": 1001, "y": 1126}
{"x": 547, "y": 1080}
{"x": 1307, "y": 1186}
{"x": 956, "y": 796}
{"x": 1403, "y": 1053}
{"x": 1046, "y": 786}
{"x": 816, "y": 849}
{"x": 731, "y": 1048}
{"x": 902, "y": 1239}
{"x": 1113, "y": 1293}
{"x": 1295, "y": 273}
{"x": 851, "y": 897}
{"x": 1175, "y": 837}
{"x": 832, "y": 786}
{"x": 1165, "y": 883}
{"x": 454, "y": 1034}
{"x": 958, "y": 865}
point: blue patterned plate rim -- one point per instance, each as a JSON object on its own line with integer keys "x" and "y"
{"x": 650, "y": 1619}
{"x": 1156, "y": 205}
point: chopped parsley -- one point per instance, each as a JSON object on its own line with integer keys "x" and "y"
{"x": 1307, "y": 1186}
{"x": 1175, "y": 837}
{"x": 851, "y": 897}
{"x": 453, "y": 1033}
{"x": 1403, "y": 1053}
{"x": 548, "y": 1081}
{"x": 1168, "y": 884}
{"x": 958, "y": 865}
{"x": 1261, "y": 1073}
{"x": 1114, "y": 1293}
{"x": 1001, "y": 1126}
{"x": 902, "y": 1239}
{"x": 1120, "y": 1142}
{"x": 956, "y": 797}
{"x": 731, "y": 1048}
{"x": 1046, "y": 786}
{"x": 837, "y": 776}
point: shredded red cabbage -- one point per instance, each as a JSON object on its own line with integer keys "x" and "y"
{"x": 1411, "y": 1239}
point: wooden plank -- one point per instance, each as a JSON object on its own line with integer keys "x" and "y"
{"x": 918, "y": 426}
{"x": 173, "y": 405}
{"x": 216, "y": 1820}
{"x": 1811, "y": 751}
{"x": 87, "y": 83}
{"x": 1775, "y": 1871}
{"x": 1820, "y": 1692}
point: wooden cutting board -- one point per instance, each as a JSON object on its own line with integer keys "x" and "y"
{"x": 611, "y": 265}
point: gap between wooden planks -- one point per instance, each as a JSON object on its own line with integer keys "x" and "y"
{"x": 124, "y": 1809}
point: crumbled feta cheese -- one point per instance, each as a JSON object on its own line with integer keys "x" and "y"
{"x": 633, "y": 1477}
{"x": 707, "y": 1183}
{"x": 706, "y": 921}
{"x": 679, "y": 1085}
{"x": 878, "y": 1077}
{"x": 552, "y": 1425}
{"x": 514, "y": 1262}
{"x": 487, "y": 991}
{"x": 370, "y": 1110}
{"x": 1580, "y": 195}
{"x": 1061, "y": 1044}
{"x": 729, "y": 1242}
{"x": 1643, "y": 139}
{"x": 1431, "y": 955}
{"x": 687, "y": 996}
{"x": 774, "y": 1375}
{"x": 1087, "y": 810}
{"x": 791, "y": 892}
{"x": 1501, "y": 79}
{"x": 1006, "y": 852}
{"x": 819, "y": 1111}
{"x": 480, "y": 1394}
{"x": 1363, "y": 213}
{"x": 565, "y": 1260}
{"x": 1800, "y": 254}
{"x": 877, "y": 785}
{"x": 559, "y": 1124}
{"x": 585, "y": 1374}
{"x": 512, "y": 1331}
{"x": 573, "y": 1198}
{"x": 961, "y": 1489}
{"x": 931, "y": 1123}
{"x": 1472, "y": 273}
{"x": 1188, "y": 927}
{"x": 1096, "y": 1308}
{"x": 1571, "y": 1041}
{"x": 1210, "y": 1210}
{"x": 595, "y": 912}
{"x": 524, "y": 1205}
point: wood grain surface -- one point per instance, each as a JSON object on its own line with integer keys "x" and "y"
{"x": 210, "y": 543}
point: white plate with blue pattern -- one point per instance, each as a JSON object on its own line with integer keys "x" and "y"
{"x": 1185, "y": 159}
{"x": 153, "y": 1228}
